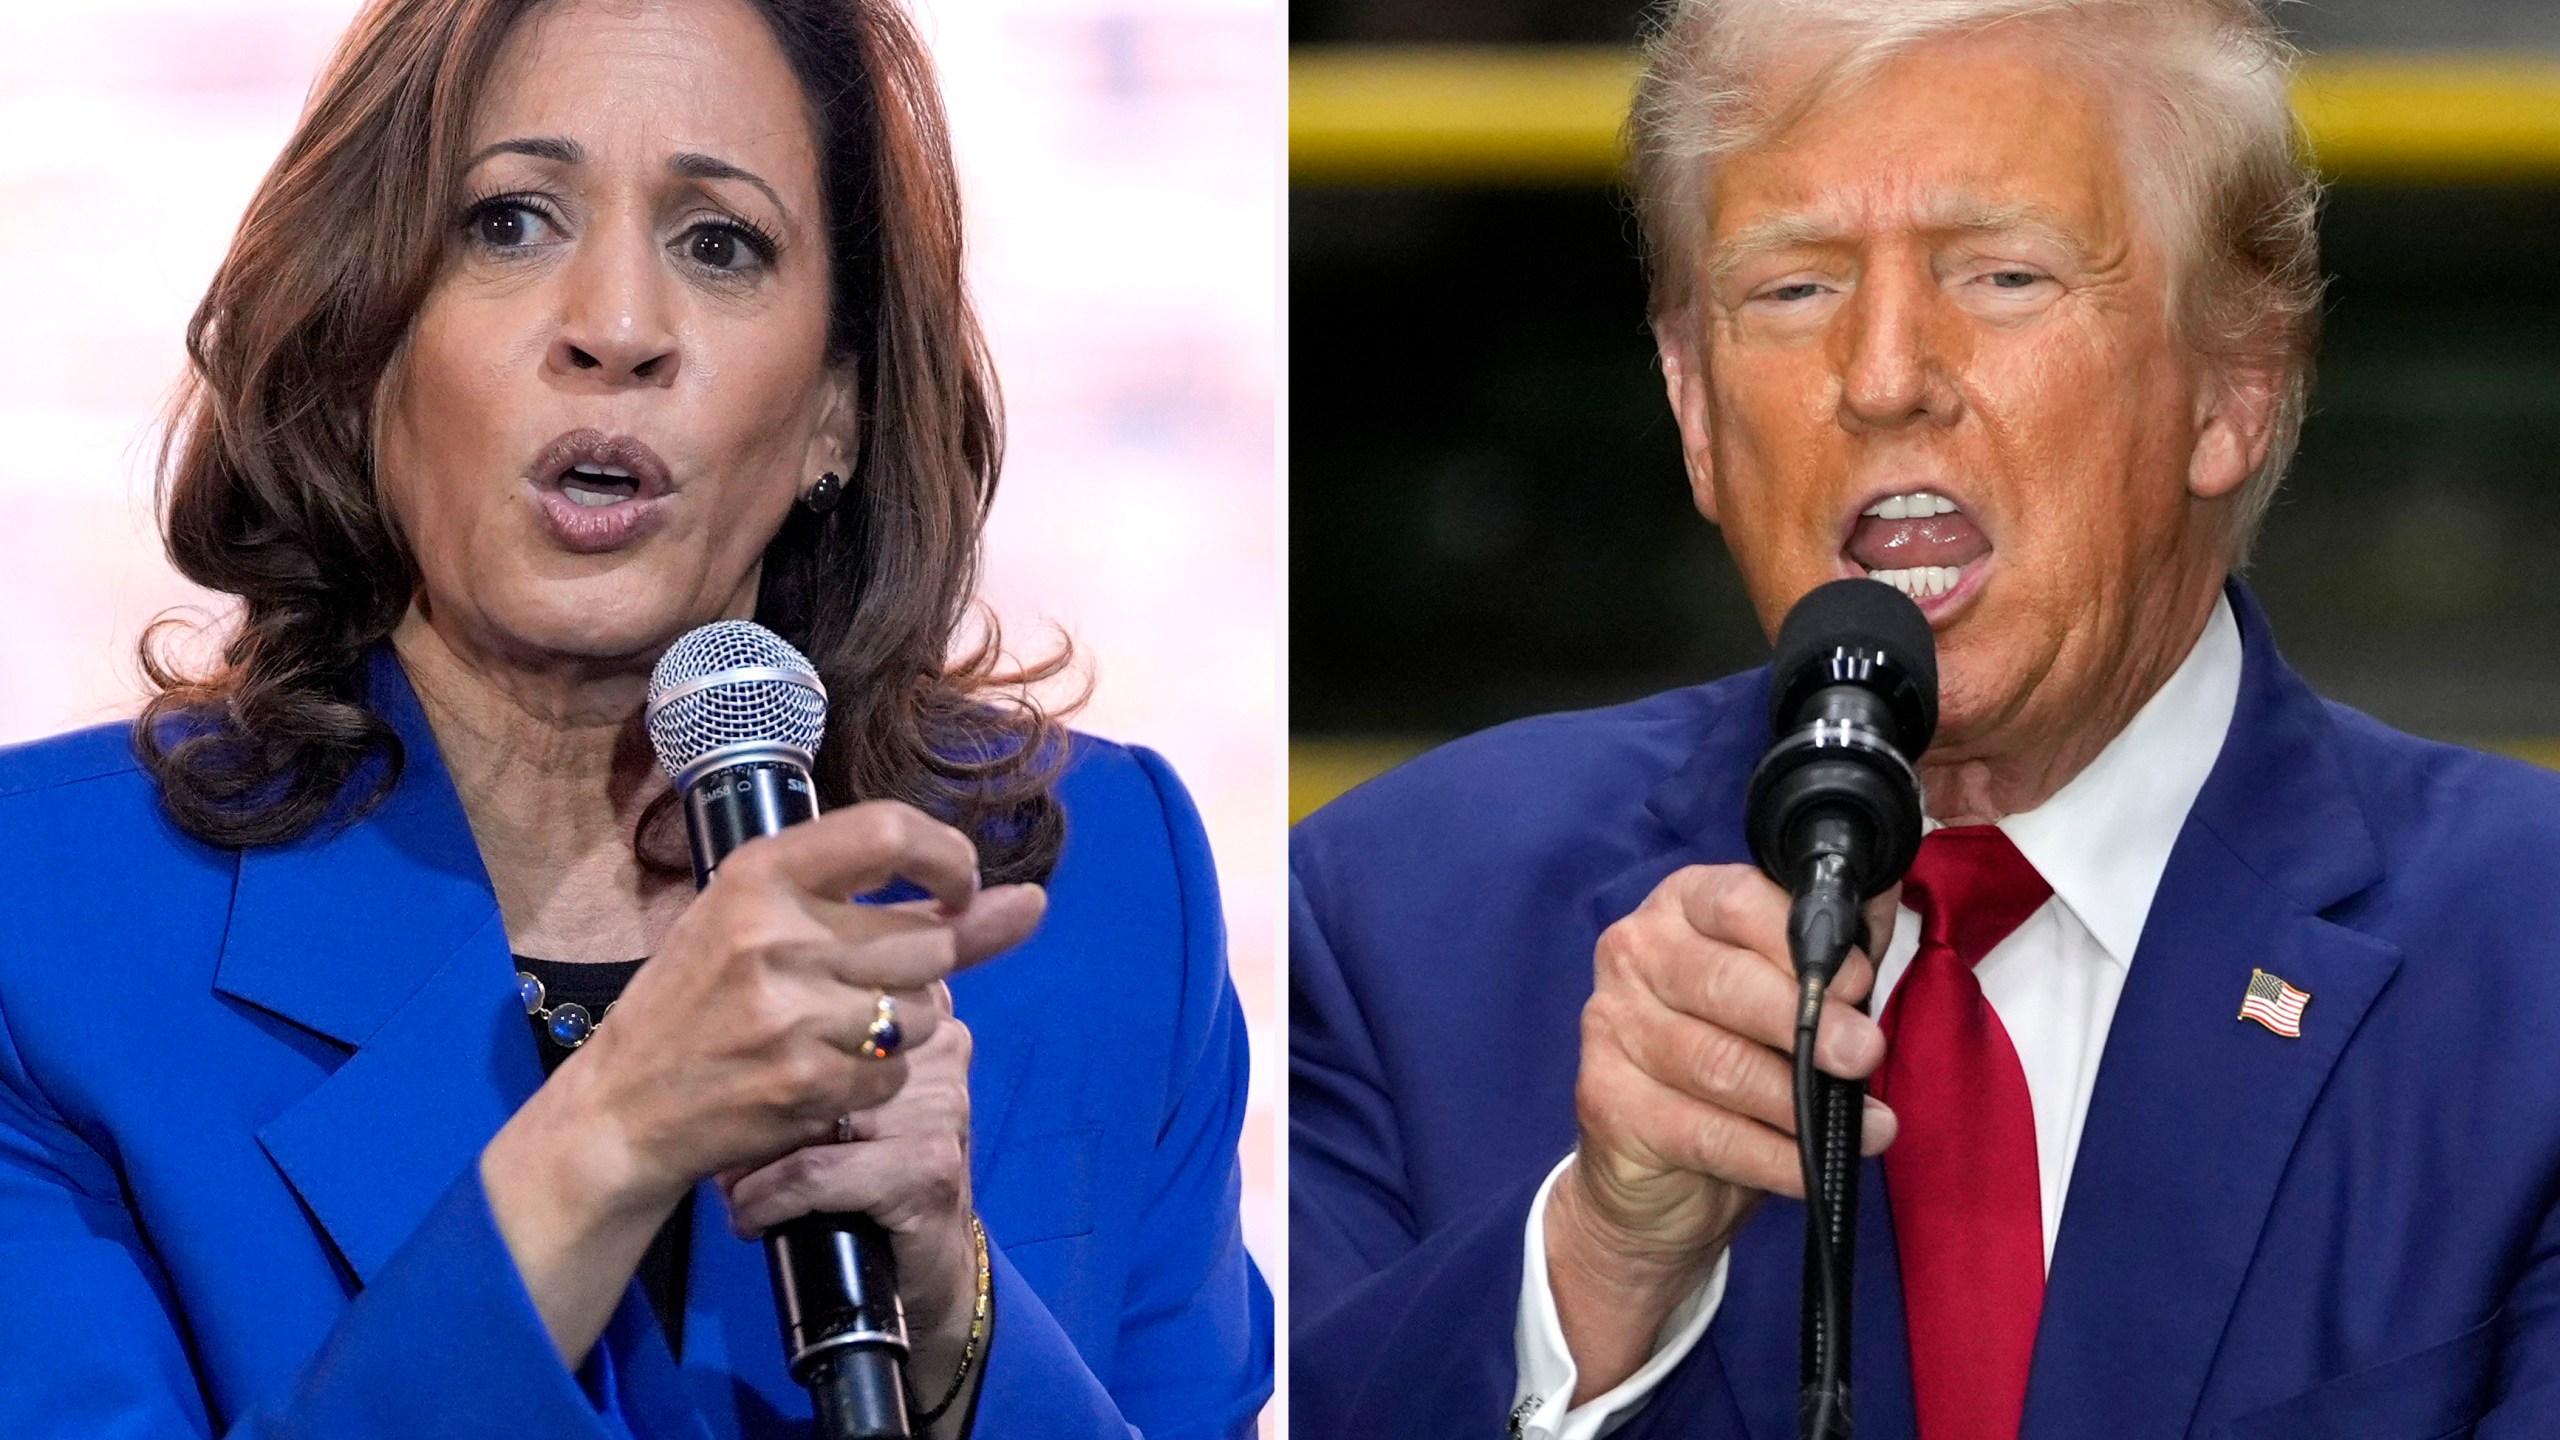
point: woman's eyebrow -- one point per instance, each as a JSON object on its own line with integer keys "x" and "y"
{"x": 691, "y": 164}
{"x": 540, "y": 147}
{"x": 696, "y": 166}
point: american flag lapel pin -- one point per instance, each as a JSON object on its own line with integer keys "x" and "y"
{"x": 2273, "y": 1003}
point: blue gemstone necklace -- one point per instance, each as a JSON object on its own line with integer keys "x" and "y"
{"x": 546, "y": 988}
{"x": 567, "y": 1023}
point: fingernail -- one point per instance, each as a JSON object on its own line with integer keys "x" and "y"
{"x": 1850, "y": 1046}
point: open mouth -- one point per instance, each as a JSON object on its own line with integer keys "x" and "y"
{"x": 1920, "y": 542}
{"x": 592, "y": 484}
{"x": 599, "y": 492}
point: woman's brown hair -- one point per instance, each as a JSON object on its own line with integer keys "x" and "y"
{"x": 268, "y": 493}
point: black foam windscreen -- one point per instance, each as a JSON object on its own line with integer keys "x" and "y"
{"x": 1854, "y": 618}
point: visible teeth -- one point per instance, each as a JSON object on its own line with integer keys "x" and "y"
{"x": 580, "y": 495}
{"x": 1921, "y": 582}
{"x": 1919, "y": 505}
{"x": 616, "y": 471}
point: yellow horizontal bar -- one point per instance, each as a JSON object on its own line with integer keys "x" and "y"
{"x": 1550, "y": 115}
{"x": 1457, "y": 115}
{"x": 1319, "y": 770}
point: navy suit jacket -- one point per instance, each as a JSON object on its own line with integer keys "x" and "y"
{"x": 243, "y": 1096}
{"x": 2348, "y": 1234}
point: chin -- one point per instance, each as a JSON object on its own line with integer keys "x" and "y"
{"x": 604, "y": 619}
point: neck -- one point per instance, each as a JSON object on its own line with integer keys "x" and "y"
{"x": 2019, "y": 766}
{"x": 554, "y": 772}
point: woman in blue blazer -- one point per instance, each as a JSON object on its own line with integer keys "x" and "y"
{"x": 368, "y": 1065}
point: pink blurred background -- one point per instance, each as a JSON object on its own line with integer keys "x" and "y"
{"x": 1122, "y": 165}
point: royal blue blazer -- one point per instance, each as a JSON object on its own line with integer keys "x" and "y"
{"x": 243, "y": 1095}
{"x": 2351, "y": 1234}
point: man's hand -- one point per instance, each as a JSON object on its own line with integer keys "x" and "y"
{"x": 1686, "y": 1101}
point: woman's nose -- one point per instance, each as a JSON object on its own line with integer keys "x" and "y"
{"x": 616, "y": 323}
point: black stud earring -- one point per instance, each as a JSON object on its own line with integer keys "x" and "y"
{"x": 822, "y": 497}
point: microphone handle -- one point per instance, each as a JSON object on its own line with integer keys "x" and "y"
{"x": 835, "y": 1277}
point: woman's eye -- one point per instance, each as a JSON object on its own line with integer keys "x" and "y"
{"x": 507, "y": 225}
{"x": 723, "y": 247}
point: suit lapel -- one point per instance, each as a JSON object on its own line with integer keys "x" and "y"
{"x": 1755, "y": 1333}
{"x": 384, "y": 936}
{"x": 1699, "y": 805}
{"x": 2195, "y": 1111}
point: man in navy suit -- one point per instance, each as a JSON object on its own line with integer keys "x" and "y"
{"x": 2213, "y": 1035}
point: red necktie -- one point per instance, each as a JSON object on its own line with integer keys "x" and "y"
{"x": 1968, "y": 1215}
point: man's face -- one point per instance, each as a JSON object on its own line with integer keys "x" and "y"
{"x": 1933, "y": 342}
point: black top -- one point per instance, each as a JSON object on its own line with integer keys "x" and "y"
{"x": 593, "y": 987}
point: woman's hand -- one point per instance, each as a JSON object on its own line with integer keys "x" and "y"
{"x": 739, "y": 1042}
{"x": 904, "y": 1163}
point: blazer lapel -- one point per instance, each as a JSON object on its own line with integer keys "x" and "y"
{"x": 2195, "y": 1111}
{"x": 384, "y": 937}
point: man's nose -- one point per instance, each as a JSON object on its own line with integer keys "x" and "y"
{"x": 617, "y": 328}
{"x": 1895, "y": 352}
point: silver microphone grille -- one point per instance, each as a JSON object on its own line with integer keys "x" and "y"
{"x": 732, "y": 683}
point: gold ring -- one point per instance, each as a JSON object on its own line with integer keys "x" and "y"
{"x": 884, "y": 1035}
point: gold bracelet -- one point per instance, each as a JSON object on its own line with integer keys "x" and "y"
{"x": 977, "y": 1328}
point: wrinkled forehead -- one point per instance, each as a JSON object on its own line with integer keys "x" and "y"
{"x": 1967, "y": 135}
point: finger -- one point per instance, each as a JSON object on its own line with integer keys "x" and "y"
{"x": 1711, "y": 1063}
{"x": 1688, "y": 1134}
{"x": 1723, "y": 986}
{"x": 1856, "y": 980}
{"x": 935, "y": 1099}
{"x": 997, "y": 920}
{"x": 1732, "y": 990}
{"x": 1847, "y": 1043}
{"x": 1883, "y": 914}
{"x": 1879, "y": 1129}
{"x": 889, "y": 1180}
{"x": 916, "y": 1010}
{"x": 988, "y": 924}
{"x": 901, "y": 961}
{"x": 863, "y": 847}
{"x": 1738, "y": 906}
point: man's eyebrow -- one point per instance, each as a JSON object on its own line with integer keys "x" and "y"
{"x": 1784, "y": 232}
{"x": 540, "y": 147}
{"x": 696, "y": 166}
{"x": 1971, "y": 218}
{"x": 1963, "y": 217}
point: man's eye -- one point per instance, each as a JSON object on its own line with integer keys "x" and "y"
{"x": 2014, "y": 279}
{"x": 1802, "y": 290}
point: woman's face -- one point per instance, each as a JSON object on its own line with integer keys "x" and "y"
{"x": 617, "y": 387}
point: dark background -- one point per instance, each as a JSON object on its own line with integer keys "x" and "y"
{"x": 1488, "y": 514}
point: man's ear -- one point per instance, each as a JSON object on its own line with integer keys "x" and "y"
{"x": 1684, "y": 382}
{"x": 2236, "y": 428}
{"x": 835, "y": 442}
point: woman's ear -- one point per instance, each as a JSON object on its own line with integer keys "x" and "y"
{"x": 835, "y": 442}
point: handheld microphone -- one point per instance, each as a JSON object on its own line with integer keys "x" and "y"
{"x": 735, "y": 714}
{"x": 1833, "y": 813}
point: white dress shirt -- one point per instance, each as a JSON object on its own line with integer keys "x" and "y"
{"x": 2101, "y": 842}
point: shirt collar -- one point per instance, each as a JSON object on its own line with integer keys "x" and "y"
{"x": 2103, "y": 840}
